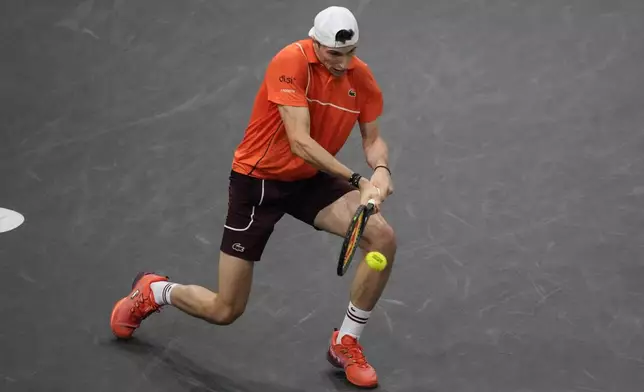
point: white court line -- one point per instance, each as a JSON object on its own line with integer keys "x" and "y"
{"x": 10, "y": 220}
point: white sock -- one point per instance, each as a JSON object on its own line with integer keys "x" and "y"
{"x": 162, "y": 291}
{"x": 354, "y": 321}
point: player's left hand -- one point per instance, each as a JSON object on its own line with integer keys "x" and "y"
{"x": 382, "y": 180}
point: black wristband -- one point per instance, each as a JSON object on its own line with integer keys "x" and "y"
{"x": 355, "y": 180}
{"x": 383, "y": 166}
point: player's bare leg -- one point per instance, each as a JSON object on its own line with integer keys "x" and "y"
{"x": 151, "y": 291}
{"x": 368, "y": 284}
{"x": 224, "y": 307}
{"x": 366, "y": 288}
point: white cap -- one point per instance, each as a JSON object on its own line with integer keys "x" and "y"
{"x": 329, "y": 21}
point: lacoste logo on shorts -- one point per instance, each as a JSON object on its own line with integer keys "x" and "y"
{"x": 238, "y": 247}
{"x": 352, "y": 92}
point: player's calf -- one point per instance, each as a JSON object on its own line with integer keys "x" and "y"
{"x": 222, "y": 307}
{"x": 369, "y": 284}
{"x": 204, "y": 304}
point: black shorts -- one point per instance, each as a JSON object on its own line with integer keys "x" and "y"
{"x": 256, "y": 205}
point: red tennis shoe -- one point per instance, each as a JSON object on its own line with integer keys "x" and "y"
{"x": 130, "y": 311}
{"x": 349, "y": 356}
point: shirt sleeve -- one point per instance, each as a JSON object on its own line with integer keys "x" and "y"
{"x": 372, "y": 100}
{"x": 287, "y": 77}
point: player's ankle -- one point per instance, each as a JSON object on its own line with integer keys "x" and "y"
{"x": 354, "y": 322}
{"x": 162, "y": 292}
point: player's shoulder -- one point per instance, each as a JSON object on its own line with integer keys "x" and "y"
{"x": 360, "y": 64}
{"x": 361, "y": 69}
{"x": 363, "y": 75}
{"x": 292, "y": 53}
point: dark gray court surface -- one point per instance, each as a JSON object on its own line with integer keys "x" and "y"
{"x": 517, "y": 142}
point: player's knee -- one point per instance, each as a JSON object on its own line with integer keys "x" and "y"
{"x": 388, "y": 237}
{"x": 383, "y": 237}
{"x": 230, "y": 315}
{"x": 225, "y": 314}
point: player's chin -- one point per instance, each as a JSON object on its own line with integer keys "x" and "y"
{"x": 337, "y": 72}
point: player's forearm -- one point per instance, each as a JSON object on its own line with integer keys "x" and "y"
{"x": 314, "y": 154}
{"x": 297, "y": 123}
{"x": 376, "y": 152}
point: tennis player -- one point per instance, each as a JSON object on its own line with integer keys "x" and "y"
{"x": 314, "y": 91}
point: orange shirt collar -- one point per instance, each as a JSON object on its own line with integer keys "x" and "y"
{"x": 307, "y": 44}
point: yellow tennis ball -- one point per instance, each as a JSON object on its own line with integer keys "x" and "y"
{"x": 376, "y": 260}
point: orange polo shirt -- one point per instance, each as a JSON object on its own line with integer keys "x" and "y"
{"x": 295, "y": 77}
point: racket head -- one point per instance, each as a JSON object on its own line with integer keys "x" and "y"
{"x": 353, "y": 236}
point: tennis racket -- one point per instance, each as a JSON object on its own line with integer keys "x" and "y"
{"x": 353, "y": 235}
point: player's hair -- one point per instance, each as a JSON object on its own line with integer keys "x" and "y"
{"x": 344, "y": 35}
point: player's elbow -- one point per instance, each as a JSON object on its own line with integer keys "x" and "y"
{"x": 299, "y": 145}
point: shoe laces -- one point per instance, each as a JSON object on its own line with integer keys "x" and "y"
{"x": 141, "y": 309}
{"x": 354, "y": 352}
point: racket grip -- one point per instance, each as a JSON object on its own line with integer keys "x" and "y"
{"x": 371, "y": 202}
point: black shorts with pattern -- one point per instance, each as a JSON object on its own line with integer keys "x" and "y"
{"x": 255, "y": 205}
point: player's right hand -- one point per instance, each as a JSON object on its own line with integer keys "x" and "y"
{"x": 369, "y": 191}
